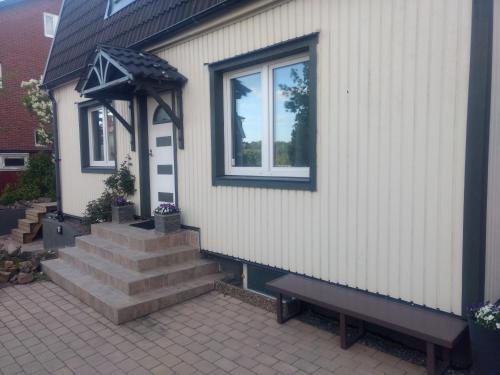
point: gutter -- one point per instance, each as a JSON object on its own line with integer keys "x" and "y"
{"x": 57, "y": 159}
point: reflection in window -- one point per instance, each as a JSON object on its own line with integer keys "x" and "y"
{"x": 290, "y": 115}
{"x": 247, "y": 120}
{"x": 102, "y": 137}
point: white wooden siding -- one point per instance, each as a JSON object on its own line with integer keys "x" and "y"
{"x": 392, "y": 106}
{"x": 79, "y": 188}
{"x": 492, "y": 277}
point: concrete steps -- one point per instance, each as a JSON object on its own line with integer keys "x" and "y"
{"x": 126, "y": 272}
{"x": 28, "y": 228}
{"x": 117, "y": 306}
{"x": 135, "y": 260}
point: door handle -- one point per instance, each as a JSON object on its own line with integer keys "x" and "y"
{"x": 150, "y": 152}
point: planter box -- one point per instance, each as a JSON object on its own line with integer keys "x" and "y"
{"x": 168, "y": 223}
{"x": 485, "y": 344}
{"x": 122, "y": 214}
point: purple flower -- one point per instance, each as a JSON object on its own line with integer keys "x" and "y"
{"x": 166, "y": 209}
{"x": 121, "y": 201}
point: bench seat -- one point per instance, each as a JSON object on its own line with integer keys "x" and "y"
{"x": 435, "y": 328}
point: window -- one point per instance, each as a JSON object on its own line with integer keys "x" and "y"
{"x": 13, "y": 162}
{"x": 160, "y": 116}
{"x": 50, "y": 24}
{"x": 1, "y": 77}
{"x": 264, "y": 117}
{"x": 97, "y": 138}
{"x": 116, "y": 5}
{"x": 39, "y": 138}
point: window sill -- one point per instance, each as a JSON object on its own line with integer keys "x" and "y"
{"x": 289, "y": 183}
{"x": 102, "y": 170}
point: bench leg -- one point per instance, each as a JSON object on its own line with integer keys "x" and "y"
{"x": 431, "y": 358}
{"x": 432, "y": 365}
{"x": 279, "y": 308}
{"x": 345, "y": 343}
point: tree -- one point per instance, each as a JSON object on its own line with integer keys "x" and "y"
{"x": 298, "y": 103}
{"x": 38, "y": 103}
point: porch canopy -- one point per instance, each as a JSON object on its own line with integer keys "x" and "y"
{"x": 121, "y": 73}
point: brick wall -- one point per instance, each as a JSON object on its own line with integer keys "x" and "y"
{"x": 23, "y": 52}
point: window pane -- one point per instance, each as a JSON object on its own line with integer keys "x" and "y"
{"x": 97, "y": 135}
{"x": 291, "y": 113}
{"x": 14, "y": 162}
{"x": 247, "y": 120}
{"x": 110, "y": 120}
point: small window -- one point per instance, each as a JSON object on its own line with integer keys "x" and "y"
{"x": 39, "y": 139}
{"x": 116, "y": 5}
{"x": 97, "y": 138}
{"x": 102, "y": 148}
{"x": 13, "y": 161}
{"x": 160, "y": 116}
{"x": 50, "y": 24}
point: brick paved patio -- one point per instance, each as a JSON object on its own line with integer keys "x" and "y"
{"x": 45, "y": 330}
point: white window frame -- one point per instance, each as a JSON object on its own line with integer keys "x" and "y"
{"x": 3, "y": 167}
{"x": 267, "y": 155}
{"x": 55, "y": 21}
{"x": 99, "y": 163}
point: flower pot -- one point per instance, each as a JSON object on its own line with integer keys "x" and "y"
{"x": 168, "y": 223}
{"x": 122, "y": 214}
{"x": 485, "y": 344}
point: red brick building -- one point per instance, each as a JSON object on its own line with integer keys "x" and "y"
{"x": 27, "y": 28}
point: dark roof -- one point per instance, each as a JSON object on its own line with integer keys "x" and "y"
{"x": 138, "y": 65}
{"x": 82, "y": 26}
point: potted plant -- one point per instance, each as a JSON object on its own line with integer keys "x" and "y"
{"x": 122, "y": 210}
{"x": 167, "y": 218}
{"x": 484, "y": 329}
{"x": 120, "y": 185}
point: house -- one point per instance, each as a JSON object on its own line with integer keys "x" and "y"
{"x": 27, "y": 29}
{"x": 355, "y": 142}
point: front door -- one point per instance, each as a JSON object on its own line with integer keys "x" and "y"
{"x": 161, "y": 154}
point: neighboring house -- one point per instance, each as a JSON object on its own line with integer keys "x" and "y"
{"x": 27, "y": 28}
{"x": 343, "y": 140}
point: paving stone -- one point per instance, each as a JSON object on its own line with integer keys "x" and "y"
{"x": 191, "y": 338}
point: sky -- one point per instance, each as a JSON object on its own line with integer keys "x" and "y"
{"x": 250, "y": 106}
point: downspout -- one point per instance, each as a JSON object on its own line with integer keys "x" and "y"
{"x": 55, "y": 143}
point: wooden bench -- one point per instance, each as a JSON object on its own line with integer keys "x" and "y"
{"x": 435, "y": 328}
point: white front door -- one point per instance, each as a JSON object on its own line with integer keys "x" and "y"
{"x": 161, "y": 154}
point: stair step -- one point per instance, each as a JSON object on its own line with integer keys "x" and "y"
{"x": 133, "y": 282}
{"x": 26, "y": 225}
{"x": 117, "y": 306}
{"x": 142, "y": 239}
{"x": 133, "y": 259}
{"x": 21, "y": 235}
{"x": 45, "y": 207}
{"x": 34, "y": 214}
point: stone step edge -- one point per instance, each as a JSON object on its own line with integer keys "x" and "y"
{"x": 135, "y": 260}
{"x": 124, "y": 279}
{"x": 117, "y": 306}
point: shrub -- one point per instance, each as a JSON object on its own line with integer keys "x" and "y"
{"x": 36, "y": 181}
{"x": 119, "y": 186}
{"x": 98, "y": 210}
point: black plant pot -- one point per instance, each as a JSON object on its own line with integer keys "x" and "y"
{"x": 485, "y": 345}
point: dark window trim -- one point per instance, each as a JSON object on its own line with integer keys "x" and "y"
{"x": 476, "y": 155}
{"x": 216, "y": 70}
{"x": 84, "y": 140}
